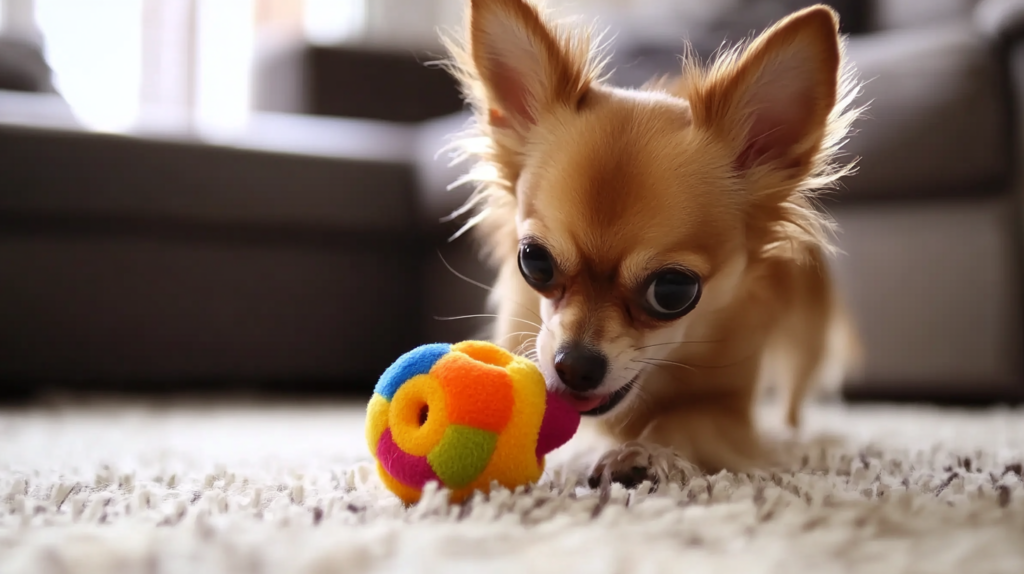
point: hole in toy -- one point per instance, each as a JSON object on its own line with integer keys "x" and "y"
{"x": 424, "y": 413}
{"x": 485, "y": 353}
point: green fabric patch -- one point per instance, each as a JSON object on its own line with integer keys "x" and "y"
{"x": 462, "y": 455}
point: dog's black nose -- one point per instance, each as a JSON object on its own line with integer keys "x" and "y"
{"x": 581, "y": 368}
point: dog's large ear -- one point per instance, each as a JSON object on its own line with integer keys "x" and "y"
{"x": 524, "y": 67}
{"x": 773, "y": 101}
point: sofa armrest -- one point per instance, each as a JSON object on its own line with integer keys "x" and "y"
{"x": 1000, "y": 19}
{"x": 161, "y": 259}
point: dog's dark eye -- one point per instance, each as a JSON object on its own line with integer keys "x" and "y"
{"x": 672, "y": 293}
{"x": 536, "y": 265}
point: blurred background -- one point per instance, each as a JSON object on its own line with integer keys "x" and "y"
{"x": 246, "y": 195}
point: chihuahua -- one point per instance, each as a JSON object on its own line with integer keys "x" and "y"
{"x": 659, "y": 250}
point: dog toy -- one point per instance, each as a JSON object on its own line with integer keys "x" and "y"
{"x": 463, "y": 415}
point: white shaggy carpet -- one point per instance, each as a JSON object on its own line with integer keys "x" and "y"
{"x": 287, "y": 490}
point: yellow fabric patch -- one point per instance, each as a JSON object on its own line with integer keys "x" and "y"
{"x": 376, "y": 421}
{"x": 485, "y": 353}
{"x": 419, "y": 395}
{"x": 514, "y": 461}
{"x": 408, "y": 494}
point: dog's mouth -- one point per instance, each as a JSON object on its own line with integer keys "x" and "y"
{"x": 596, "y": 405}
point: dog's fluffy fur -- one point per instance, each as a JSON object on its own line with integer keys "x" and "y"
{"x": 713, "y": 171}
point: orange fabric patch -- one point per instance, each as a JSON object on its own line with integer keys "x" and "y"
{"x": 477, "y": 394}
{"x": 407, "y": 407}
{"x": 485, "y": 353}
{"x": 463, "y": 494}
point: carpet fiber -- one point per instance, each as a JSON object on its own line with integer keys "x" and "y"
{"x": 288, "y": 489}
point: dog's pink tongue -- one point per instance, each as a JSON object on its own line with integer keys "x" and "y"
{"x": 560, "y": 422}
{"x": 583, "y": 404}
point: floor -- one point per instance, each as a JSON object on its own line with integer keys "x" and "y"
{"x": 193, "y": 487}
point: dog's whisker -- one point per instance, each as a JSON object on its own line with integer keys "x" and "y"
{"x": 532, "y": 312}
{"x": 528, "y": 309}
{"x": 486, "y": 315}
{"x": 522, "y": 350}
{"x": 463, "y": 277}
{"x": 708, "y": 342}
{"x": 655, "y": 363}
{"x": 691, "y": 365}
{"x": 641, "y": 397}
{"x": 518, "y": 333}
{"x": 725, "y": 366}
{"x": 530, "y": 347}
{"x": 526, "y": 345}
{"x": 483, "y": 286}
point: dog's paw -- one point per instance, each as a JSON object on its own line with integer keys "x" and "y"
{"x": 636, "y": 462}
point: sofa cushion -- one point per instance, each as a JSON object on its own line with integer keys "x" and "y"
{"x": 282, "y": 172}
{"x": 1000, "y": 19}
{"x": 938, "y": 121}
{"x": 935, "y": 292}
{"x": 893, "y": 14}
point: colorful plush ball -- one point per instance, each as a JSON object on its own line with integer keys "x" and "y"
{"x": 463, "y": 415}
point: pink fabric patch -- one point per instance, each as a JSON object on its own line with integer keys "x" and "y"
{"x": 412, "y": 471}
{"x": 560, "y": 422}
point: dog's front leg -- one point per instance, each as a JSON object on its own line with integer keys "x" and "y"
{"x": 708, "y": 435}
{"x": 715, "y": 434}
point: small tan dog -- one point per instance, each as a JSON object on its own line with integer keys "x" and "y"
{"x": 666, "y": 237}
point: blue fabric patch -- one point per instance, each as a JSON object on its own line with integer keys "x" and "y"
{"x": 418, "y": 361}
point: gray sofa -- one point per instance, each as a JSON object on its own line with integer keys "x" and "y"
{"x": 310, "y": 249}
{"x": 154, "y": 258}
